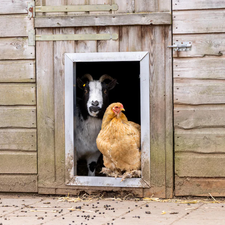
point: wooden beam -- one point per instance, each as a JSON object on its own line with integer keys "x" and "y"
{"x": 104, "y": 20}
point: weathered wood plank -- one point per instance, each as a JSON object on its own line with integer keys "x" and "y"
{"x": 76, "y": 2}
{"x": 199, "y": 68}
{"x": 109, "y": 45}
{"x": 199, "y": 165}
{"x": 202, "y": 45}
{"x": 199, "y": 92}
{"x": 60, "y": 48}
{"x": 207, "y": 140}
{"x": 200, "y": 21}
{"x": 17, "y": 94}
{"x": 18, "y": 116}
{"x": 46, "y": 113}
{"x": 164, "y": 5}
{"x": 104, "y": 20}
{"x": 86, "y": 46}
{"x": 146, "y": 6}
{"x": 11, "y": 7}
{"x": 18, "y": 139}
{"x": 155, "y": 40}
{"x": 130, "y": 38}
{"x": 16, "y": 48}
{"x": 18, "y": 183}
{"x": 189, "y": 117}
{"x": 15, "y": 26}
{"x": 17, "y": 71}
{"x": 199, "y": 186}
{"x": 18, "y": 162}
{"x": 198, "y": 4}
{"x": 101, "y": 2}
{"x": 125, "y": 6}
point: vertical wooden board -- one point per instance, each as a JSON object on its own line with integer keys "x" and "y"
{"x": 86, "y": 46}
{"x": 108, "y": 45}
{"x": 12, "y": 7}
{"x": 18, "y": 183}
{"x": 17, "y": 94}
{"x": 203, "y": 45}
{"x": 155, "y": 40}
{"x": 16, "y": 48}
{"x": 14, "y": 26}
{"x": 18, "y": 162}
{"x": 45, "y": 111}
{"x": 60, "y": 48}
{"x": 199, "y": 68}
{"x": 55, "y": 2}
{"x": 130, "y": 38}
{"x": 102, "y": 2}
{"x": 205, "y": 140}
{"x": 18, "y": 116}
{"x": 125, "y": 6}
{"x": 198, "y": 21}
{"x": 18, "y": 139}
{"x": 77, "y": 2}
{"x": 198, "y": 4}
{"x": 164, "y": 6}
{"x": 146, "y": 6}
{"x": 21, "y": 71}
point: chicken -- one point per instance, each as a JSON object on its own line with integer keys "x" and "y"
{"x": 119, "y": 142}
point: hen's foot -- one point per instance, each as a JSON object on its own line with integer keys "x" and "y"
{"x": 111, "y": 173}
{"x": 131, "y": 174}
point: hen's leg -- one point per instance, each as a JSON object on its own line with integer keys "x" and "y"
{"x": 92, "y": 162}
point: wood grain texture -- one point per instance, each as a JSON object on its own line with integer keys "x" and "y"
{"x": 18, "y": 183}
{"x": 125, "y": 6}
{"x": 101, "y": 2}
{"x": 202, "y": 45}
{"x": 199, "y": 21}
{"x": 18, "y": 162}
{"x": 104, "y": 20}
{"x": 12, "y": 7}
{"x": 199, "y": 68}
{"x": 199, "y": 92}
{"x": 205, "y": 140}
{"x": 155, "y": 41}
{"x": 17, "y": 71}
{"x": 190, "y": 117}
{"x": 198, "y": 4}
{"x": 199, "y": 186}
{"x": 18, "y": 117}
{"x": 189, "y": 164}
{"x": 16, "y": 48}
{"x": 130, "y": 38}
{"x": 46, "y": 110}
{"x": 109, "y": 45}
{"x": 146, "y": 6}
{"x": 11, "y": 26}
{"x": 18, "y": 139}
{"x": 60, "y": 48}
{"x": 17, "y": 94}
{"x": 86, "y": 46}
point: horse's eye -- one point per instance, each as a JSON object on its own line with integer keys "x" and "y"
{"x": 85, "y": 91}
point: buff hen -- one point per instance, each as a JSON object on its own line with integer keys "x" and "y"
{"x": 119, "y": 142}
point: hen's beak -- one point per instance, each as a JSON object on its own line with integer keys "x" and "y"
{"x": 122, "y": 109}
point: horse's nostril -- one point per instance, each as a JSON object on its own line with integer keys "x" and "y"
{"x": 95, "y": 103}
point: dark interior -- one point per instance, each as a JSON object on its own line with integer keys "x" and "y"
{"x": 127, "y": 91}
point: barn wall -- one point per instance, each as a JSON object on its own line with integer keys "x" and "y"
{"x": 18, "y": 145}
{"x": 50, "y": 93}
{"x": 199, "y": 97}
